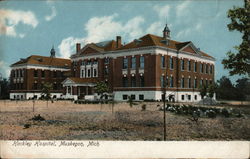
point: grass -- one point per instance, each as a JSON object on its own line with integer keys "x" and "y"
{"x": 65, "y": 120}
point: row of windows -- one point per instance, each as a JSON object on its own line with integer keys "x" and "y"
{"x": 18, "y": 73}
{"x": 188, "y": 97}
{"x": 133, "y": 62}
{"x": 208, "y": 69}
{"x": 125, "y": 82}
{"x": 38, "y": 86}
{"x": 169, "y": 82}
{"x": 53, "y": 74}
{"x": 88, "y": 72}
{"x": 17, "y": 86}
{"x": 132, "y": 96}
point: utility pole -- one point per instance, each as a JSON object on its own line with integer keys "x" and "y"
{"x": 164, "y": 108}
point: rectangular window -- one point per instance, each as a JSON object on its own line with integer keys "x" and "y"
{"x": 106, "y": 71}
{"x": 195, "y": 67}
{"x": 195, "y": 83}
{"x": 133, "y": 96}
{"x": 201, "y": 83}
{"x": 95, "y": 72}
{"x": 133, "y": 62}
{"x": 171, "y": 81}
{"x": 189, "y": 65}
{"x": 211, "y": 69}
{"x": 125, "y": 82}
{"x": 133, "y": 81}
{"x": 106, "y": 60}
{"x": 171, "y": 63}
{"x": 125, "y": 63}
{"x": 162, "y": 61}
{"x": 166, "y": 81}
{"x": 124, "y": 96}
{"x": 82, "y": 73}
{"x": 182, "y": 97}
{"x": 182, "y": 82}
{"x": 206, "y": 68}
{"x": 141, "y": 81}
{"x": 141, "y": 97}
{"x": 162, "y": 81}
{"x": 189, "y": 97}
{"x": 206, "y": 82}
{"x": 21, "y": 73}
{"x": 182, "y": 65}
{"x": 54, "y": 86}
{"x": 195, "y": 97}
{"x": 189, "y": 82}
{"x": 142, "y": 62}
{"x": 201, "y": 68}
{"x": 54, "y": 74}
{"x": 62, "y": 74}
{"x": 35, "y": 73}
{"x": 35, "y": 86}
{"x": 88, "y": 73}
{"x": 43, "y": 73}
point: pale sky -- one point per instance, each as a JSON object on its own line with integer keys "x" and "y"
{"x": 32, "y": 27}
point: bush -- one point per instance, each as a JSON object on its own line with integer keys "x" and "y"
{"x": 26, "y": 126}
{"x": 225, "y": 112}
{"x": 38, "y": 118}
{"x": 143, "y": 107}
{"x": 211, "y": 114}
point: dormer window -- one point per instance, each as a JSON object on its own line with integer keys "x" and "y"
{"x": 137, "y": 41}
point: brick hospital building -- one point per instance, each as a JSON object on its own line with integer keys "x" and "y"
{"x": 139, "y": 69}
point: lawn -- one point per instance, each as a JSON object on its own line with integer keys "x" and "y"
{"x": 65, "y": 120}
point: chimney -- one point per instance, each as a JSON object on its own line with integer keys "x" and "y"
{"x": 78, "y": 47}
{"x": 118, "y": 41}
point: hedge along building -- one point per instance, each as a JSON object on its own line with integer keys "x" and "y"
{"x": 28, "y": 76}
{"x": 140, "y": 68}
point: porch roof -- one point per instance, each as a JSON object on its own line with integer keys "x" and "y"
{"x": 75, "y": 81}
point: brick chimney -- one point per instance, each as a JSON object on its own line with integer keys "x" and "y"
{"x": 78, "y": 47}
{"x": 118, "y": 41}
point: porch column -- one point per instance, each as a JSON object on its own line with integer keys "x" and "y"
{"x": 79, "y": 91}
{"x": 87, "y": 90}
{"x": 67, "y": 91}
{"x": 71, "y": 90}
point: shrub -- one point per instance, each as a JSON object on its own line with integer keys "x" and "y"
{"x": 143, "y": 107}
{"x": 225, "y": 112}
{"x": 38, "y": 118}
{"x": 26, "y": 126}
{"x": 211, "y": 114}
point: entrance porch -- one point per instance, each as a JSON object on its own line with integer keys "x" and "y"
{"x": 78, "y": 88}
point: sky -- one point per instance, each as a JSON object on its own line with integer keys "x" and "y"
{"x": 32, "y": 27}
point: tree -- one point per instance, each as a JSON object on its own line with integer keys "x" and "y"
{"x": 47, "y": 87}
{"x": 101, "y": 88}
{"x": 243, "y": 88}
{"x": 225, "y": 89}
{"x": 203, "y": 91}
{"x": 239, "y": 63}
{"x": 211, "y": 90}
{"x": 4, "y": 88}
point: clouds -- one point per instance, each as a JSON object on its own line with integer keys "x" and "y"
{"x": 163, "y": 11}
{"x": 52, "y": 15}
{"x": 67, "y": 46}
{"x": 10, "y": 19}
{"x": 53, "y": 11}
{"x": 4, "y": 69}
{"x": 101, "y": 29}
